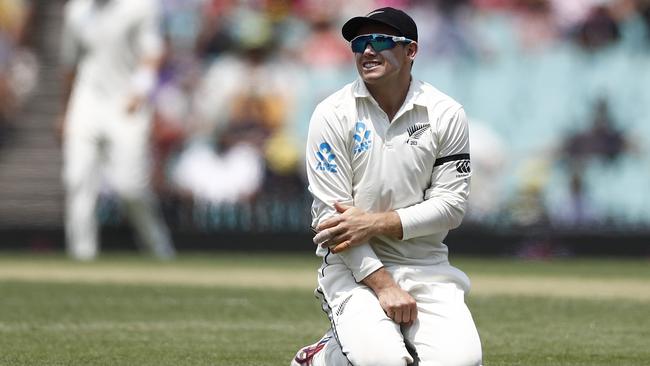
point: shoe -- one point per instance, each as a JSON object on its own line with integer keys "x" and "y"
{"x": 305, "y": 355}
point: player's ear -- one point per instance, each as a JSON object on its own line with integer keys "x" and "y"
{"x": 412, "y": 50}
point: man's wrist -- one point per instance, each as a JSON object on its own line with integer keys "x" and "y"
{"x": 388, "y": 224}
{"x": 379, "y": 280}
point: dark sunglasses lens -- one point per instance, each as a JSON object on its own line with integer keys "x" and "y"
{"x": 359, "y": 44}
{"x": 378, "y": 43}
{"x": 382, "y": 43}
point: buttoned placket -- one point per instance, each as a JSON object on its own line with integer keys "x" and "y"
{"x": 392, "y": 125}
{"x": 385, "y": 123}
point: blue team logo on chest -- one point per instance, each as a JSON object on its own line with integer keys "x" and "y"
{"x": 362, "y": 138}
{"x": 325, "y": 158}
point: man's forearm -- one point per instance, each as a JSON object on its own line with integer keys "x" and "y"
{"x": 355, "y": 227}
{"x": 433, "y": 215}
{"x": 398, "y": 304}
{"x": 379, "y": 280}
{"x": 388, "y": 224}
{"x": 69, "y": 76}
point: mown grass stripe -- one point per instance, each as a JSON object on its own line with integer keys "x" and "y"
{"x": 482, "y": 284}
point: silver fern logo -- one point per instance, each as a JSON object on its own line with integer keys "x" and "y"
{"x": 415, "y": 132}
{"x": 362, "y": 138}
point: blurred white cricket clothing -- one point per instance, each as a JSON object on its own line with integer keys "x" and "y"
{"x": 418, "y": 165}
{"x": 105, "y": 41}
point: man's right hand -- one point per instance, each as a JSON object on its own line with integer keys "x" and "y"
{"x": 134, "y": 103}
{"x": 398, "y": 304}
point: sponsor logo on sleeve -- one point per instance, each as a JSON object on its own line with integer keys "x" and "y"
{"x": 362, "y": 138}
{"x": 325, "y": 158}
{"x": 461, "y": 161}
{"x": 463, "y": 167}
{"x": 415, "y": 132}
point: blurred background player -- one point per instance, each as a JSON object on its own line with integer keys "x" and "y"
{"x": 111, "y": 53}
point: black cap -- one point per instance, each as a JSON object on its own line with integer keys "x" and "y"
{"x": 391, "y": 17}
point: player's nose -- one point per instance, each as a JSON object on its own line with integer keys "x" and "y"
{"x": 369, "y": 50}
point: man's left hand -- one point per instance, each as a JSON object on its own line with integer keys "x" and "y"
{"x": 352, "y": 227}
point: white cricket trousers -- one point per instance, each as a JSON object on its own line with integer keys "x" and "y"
{"x": 444, "y": 333}
{"x": 101, "y": 137}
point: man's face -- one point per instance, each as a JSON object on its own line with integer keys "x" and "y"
{"x": 376, "y": 66}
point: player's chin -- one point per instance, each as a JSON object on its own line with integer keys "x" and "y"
{"x": 371, "y": 76}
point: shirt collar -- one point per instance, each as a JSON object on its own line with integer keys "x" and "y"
{"x": 415, "y": 94}
{"x": 359, "y": 89}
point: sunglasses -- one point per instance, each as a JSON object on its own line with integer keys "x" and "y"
{"x": 378, "y": 42}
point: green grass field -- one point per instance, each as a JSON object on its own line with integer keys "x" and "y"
{"x": 236, "y": 309}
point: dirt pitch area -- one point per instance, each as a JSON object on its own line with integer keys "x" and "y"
{"x": 268, "y": 277}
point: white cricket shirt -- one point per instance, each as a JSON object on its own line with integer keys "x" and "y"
{"x": 418, "y": 164}
{"x": 107, "y": 39}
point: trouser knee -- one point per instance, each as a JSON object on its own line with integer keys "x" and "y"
{"x": 377, "y": 357}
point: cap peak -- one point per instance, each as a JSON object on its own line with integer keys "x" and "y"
{"x": 374, "y": 13}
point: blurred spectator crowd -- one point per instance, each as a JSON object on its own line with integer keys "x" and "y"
{"x": 557, "y": 93}
{"x": 242, "y": 78}
{"x": 18, "y": 64}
